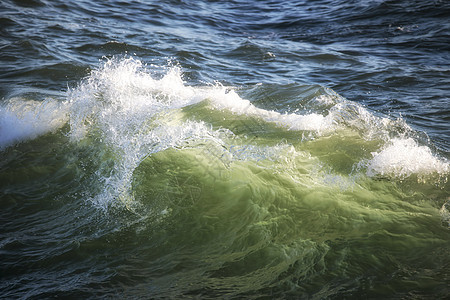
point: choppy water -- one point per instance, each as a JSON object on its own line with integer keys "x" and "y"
{"x": 224, "y": 149}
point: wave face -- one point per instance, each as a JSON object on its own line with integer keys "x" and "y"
{"x": 224, "y": 149}
{"x": 217, "y": 194}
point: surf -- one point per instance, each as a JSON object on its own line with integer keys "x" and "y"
{"x": 129, "y": 112}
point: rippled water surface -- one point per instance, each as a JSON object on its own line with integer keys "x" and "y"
{"x": 224, "y": 149}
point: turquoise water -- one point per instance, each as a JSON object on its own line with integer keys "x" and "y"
{"x": 176, "y": 171}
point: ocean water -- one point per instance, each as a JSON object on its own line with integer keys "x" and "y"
{"x": 224, "y": 149}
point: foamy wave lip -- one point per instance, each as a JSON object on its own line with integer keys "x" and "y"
{"x": 230, "y": 100}
{"x": 121, "y": 94}
{"x": 22, "y": 119}
{"x": 125, "y": 86}
{"x": 403, "y": 157}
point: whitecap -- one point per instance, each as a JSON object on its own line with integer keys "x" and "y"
{"x": 402, "y": 157}
{"x": 22, "y": 119}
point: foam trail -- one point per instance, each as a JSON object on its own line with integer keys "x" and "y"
{"x": 22, "y": 119}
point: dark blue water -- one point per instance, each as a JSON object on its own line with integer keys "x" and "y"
{"x": 224, "y": 149}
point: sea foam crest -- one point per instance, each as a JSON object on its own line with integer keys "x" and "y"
{"x": 131, "y": 113}
{"x": 22, "y": 119}
{"x": 403, "y": 157}
{"x": 125, "y": 90}
{"x": 223, "y": 98}
{"x": 121, "y": 95}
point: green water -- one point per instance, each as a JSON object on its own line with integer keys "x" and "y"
{"x": 164, "y": 190}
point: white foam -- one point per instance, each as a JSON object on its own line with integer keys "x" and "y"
{"x": 22, "y": 119}
{"x": 122, "y": 94}
{"x": 123, "y": 107}
{"x": 403, "y": 157}
{"x": 125, "y": 87}
{"x": 222, "y": 98}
